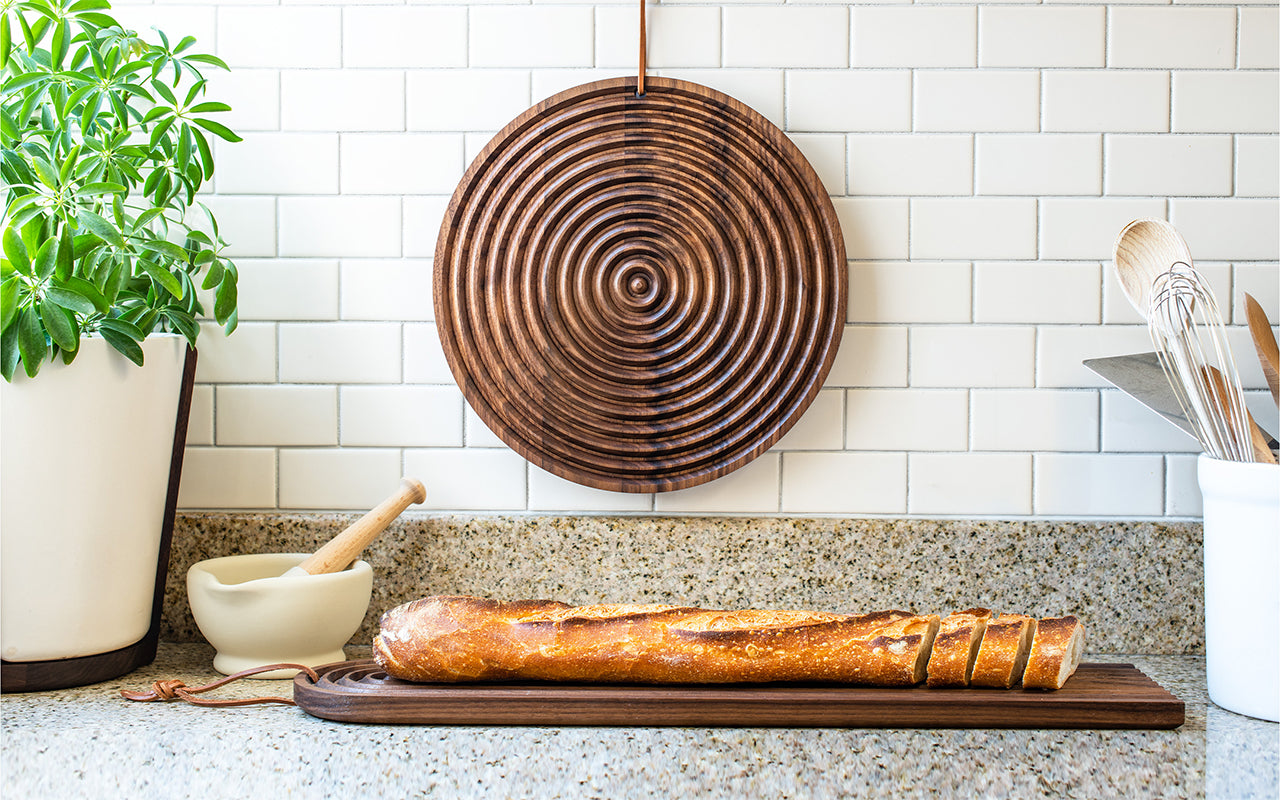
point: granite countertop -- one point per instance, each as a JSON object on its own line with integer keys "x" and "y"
{"x": 88, "y": 742}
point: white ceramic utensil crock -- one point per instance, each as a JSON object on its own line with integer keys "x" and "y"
{"x": 1242, "y": 585}
{"x": 255, "y": 615}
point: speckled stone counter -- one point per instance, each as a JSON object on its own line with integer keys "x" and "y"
{"x": 88, "y": 742}
{"x": 1141, "y": 581}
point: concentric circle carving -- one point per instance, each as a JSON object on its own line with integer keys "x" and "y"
{"x": 640, "y": 293}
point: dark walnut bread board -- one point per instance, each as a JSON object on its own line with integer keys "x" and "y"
{"x": 1096, "y": 696}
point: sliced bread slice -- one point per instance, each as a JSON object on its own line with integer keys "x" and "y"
{"x": 1055, "y": 653}
{"x": 1003, "y": 654}
{"x": 955, "y": 648}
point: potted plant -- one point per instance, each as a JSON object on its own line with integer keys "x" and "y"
{"x": 108, "y": 258}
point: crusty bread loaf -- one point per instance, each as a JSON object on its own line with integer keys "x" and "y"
{"x": 956, "y": 647}
{"x": 1003, "y": 653}
{"x": 1055, "y": 653}
{"x": 447, "y": 639}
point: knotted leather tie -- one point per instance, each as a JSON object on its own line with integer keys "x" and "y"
{"x": 177, "y": 690}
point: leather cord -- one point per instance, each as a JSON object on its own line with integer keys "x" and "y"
{"x": 176, "y": 690}
{"x": 643, "y": 48}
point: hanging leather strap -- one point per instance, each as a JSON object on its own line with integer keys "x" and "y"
{"x": 176, "y": 690}
{"x": 643, "y": 48}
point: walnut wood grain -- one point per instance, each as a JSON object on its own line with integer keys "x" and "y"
{"x": 640, "y": 293}
{"x": 1097, "y": 696}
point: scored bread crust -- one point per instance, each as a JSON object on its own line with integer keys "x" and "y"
{"x": 1002, "y": 656}
{"x": 456, "y": 638}
{"x": 955, "y": 648}
{"x": 1055, "y": 653}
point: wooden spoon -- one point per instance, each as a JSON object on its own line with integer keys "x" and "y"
{"x": 342, "y": 549}
{"x": 1261, "y": 451}
{"x": 1264, "y": 341}
{"x": 1144, "y": 249}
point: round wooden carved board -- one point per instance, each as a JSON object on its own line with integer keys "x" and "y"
{"x": 640, "y": 293}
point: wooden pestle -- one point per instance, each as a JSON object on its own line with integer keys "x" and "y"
{"x": 342, "y": 549}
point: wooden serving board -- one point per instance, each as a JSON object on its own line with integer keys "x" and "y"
{"x": 1097, "y": 696}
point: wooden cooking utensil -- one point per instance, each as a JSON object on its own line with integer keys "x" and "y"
{"x": 1144, "y": 249}
{"x": 342, "y": 549}
{"x": 1261, "y": 452}
{"x": 1264, "y": 341}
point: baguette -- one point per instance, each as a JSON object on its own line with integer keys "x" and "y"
{"x": 1055, "y": 653}
{"x": 1002, "y": 657}
{"x": 956, "y": 647}
{"x": 450, "y": 639}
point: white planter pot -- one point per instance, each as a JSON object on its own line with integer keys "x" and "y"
{"x": 1242, "y": 585}
{"x": 84, "y": 473}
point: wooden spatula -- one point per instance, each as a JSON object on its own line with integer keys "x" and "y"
{"x": 342, "y": 549}
{"x": 1264, "y": 341}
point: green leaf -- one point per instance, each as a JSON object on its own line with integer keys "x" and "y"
{"x": 8, "y": 302}
{"x": 183, "y": 323}
{"x": 16, "y": 251}
{"x": 217, "y": 128}
{"x": 165, "y": 92}
{"x": 20, "y": 82}
{"x": 45, "y": 172}
{"x": 6, "y": 41}
{"x": 214, "y": 276}
{"x": 84, "y": 289}
{"x": 163, "y": 278}
{"x": 70, "y": 300}
{"x": 124, "y": 344}
{"x": 104, "y": 187}
{"x": 208, "y": 108}
{"x": 195, "y": 90}
{"x": 62, "y": 329}
{"x": 208, "y": 59}
{"x": 101, "y": 228}
{"x": 206, "y": 153}
{"x": 9, "y": 353}
{"x": 46, "y": 259}
{"x": 61, "y": 41}
{"x": 66, "y": 255}
{"x": 32, "y": 344}
{"x": 122, "y": 327}
{"x": 183, "y": 156}
{"x": 166, "y": 248}
{"x": 225, "y": 301}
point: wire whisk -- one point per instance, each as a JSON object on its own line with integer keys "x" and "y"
{"x": 1187, "y": 330}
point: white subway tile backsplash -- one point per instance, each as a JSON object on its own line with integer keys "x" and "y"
{"x": 677, "y": 36}
{"x": 1170, "y": 37}
{"x": 820, "y": 427}
{"x": 1042, "y": 36}
{"x": 1106, "y": 485}
{"x": 448, "y": 99}
{"x": 786, "y": 36}
{"x": 275, "y": 36}
{"x": 969, "y": 483}
{"x": 977, "y": 101}
{"x": 342, "y": 100}
{"x": 340, "y": 352}
{"x": 1257, "y": 166}
{"x": 839, "y": 100}
{"x": 467, "y": 479}
{"x": 401, "y": 416}
{"x": 1034, "y": 419}
{"x": 1168, "y": 164}
{"x": 288, "y": 289}
{"x": 753, "y": 489}
{"x": 549, "y": 492}
{"x": 870, "y": 355}
{"x": 417, "y": 163}
{"x": 343, "y": 225}
{"x": 1078, "y": 228}
{"x": 973, "y": 227}
{"x": 1228, "y": 228}
{"x": 1226, "y": 102}
{"x": 910, "y": 291}
{"x": 399, "y": 37}
{"x": 981, "y": 158}
{"x": 1106, "y": 100}
{"x": 874, "y": 227}
{"x": 300, "y": 163}
{"x": 277, "y": 415}
{"x": 1259, "y": 38}
{"x": 338, "y": 479}
{"x": 911, "y": 164}
{"x": 907, "y": 419}
{"x": 228, "y": 477}
{"x": 1041, "y": 292}
{"x": 247, "y": 356}
{"x": 531, "y": 36}
{"x": 960, "y": 357}
{"x": 842, "y": 483}
{"x": 914, "y": 36}
{"x": 1038, "y": 164}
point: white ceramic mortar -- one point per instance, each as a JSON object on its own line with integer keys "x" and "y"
{"x": 254, "y": 615}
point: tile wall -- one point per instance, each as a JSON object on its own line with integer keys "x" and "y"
{"x": 981, "y": 157}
